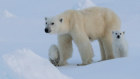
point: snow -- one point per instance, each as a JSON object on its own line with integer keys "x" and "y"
{"x": 29, "y": 65}
{"x": 27, "y": 31}
{"x": 121, "y": 68}
{"x": 84, "y": 4}
{"x": 8, "y": 14}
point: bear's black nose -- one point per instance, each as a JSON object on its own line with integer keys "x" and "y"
{"x": 118, "y": 37}
{"x": 47, "y": 30}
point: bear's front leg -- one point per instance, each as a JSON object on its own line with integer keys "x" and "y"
{"x": 65, "y": 48}
{"x": 85, "y": 48}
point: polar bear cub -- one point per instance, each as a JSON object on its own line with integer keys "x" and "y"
{"x": 119, "y": 44}
{"x": 54, "y": 55}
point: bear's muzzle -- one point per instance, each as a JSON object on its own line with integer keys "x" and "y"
{"x": 47, "y": 30}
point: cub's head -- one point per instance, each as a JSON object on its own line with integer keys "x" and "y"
{"x": 117, "y": 34}
{"x": 55, "y": 25}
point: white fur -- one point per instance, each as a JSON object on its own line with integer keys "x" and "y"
{"x": 120, "y": 46}
{"x": 53, "y": 52}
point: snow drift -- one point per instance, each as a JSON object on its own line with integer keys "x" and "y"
{"x": 28, "y": 65}
{"x": 84, "y": 4}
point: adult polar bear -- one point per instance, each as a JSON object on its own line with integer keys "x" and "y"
{"x": 83, "y": 26}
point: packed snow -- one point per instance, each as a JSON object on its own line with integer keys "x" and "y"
{"x": 28, "y": 65}
{"x": 27, "y": 31}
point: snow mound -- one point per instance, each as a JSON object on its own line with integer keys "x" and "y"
{"x": 28, "y": 65}
{"x": 84, "y": 4}
{"x": 7, "y": 14}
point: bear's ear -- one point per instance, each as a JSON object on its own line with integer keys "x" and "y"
{"x": 61, "y": 20}
{"x": 46, "y": 18}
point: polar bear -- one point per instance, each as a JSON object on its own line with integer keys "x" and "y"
{"x": 84, "y": 26}
{"x": 119, "y": 44}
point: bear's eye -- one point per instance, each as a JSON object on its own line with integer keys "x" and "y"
{"x": 116, "y": 33}
{"x": 120, "y": 33}
{"x": 61, "y": 20}
{"x": 46, "y": 22}
{"x": 52, "y": 23}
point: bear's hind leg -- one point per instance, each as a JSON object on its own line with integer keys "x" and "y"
{"x": 102, "y": 50}
{"x": 107, "y": 43}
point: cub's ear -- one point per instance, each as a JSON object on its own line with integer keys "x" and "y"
{"x": 61, "y": 20}
{"x": 124, "y": 32}
{"x": 112, "y": 32}
{"x": 45, "y": 18}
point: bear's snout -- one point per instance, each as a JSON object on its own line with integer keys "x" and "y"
{"x": 47, "y": 30}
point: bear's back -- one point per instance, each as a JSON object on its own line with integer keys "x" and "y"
{"x": 92, "y": 10}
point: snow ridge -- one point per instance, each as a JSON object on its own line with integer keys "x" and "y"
{"x": 28, "y": 65}
{"x": 84, "y": 4}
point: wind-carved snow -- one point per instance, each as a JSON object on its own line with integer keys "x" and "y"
{"x": 8, "y": 14}
{"x": 28, "y": 65}
{"x": 84, "y": 4}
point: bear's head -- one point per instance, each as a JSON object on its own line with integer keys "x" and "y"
{"x": 117, "y": 34}
{"x": 56, "y": 25}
